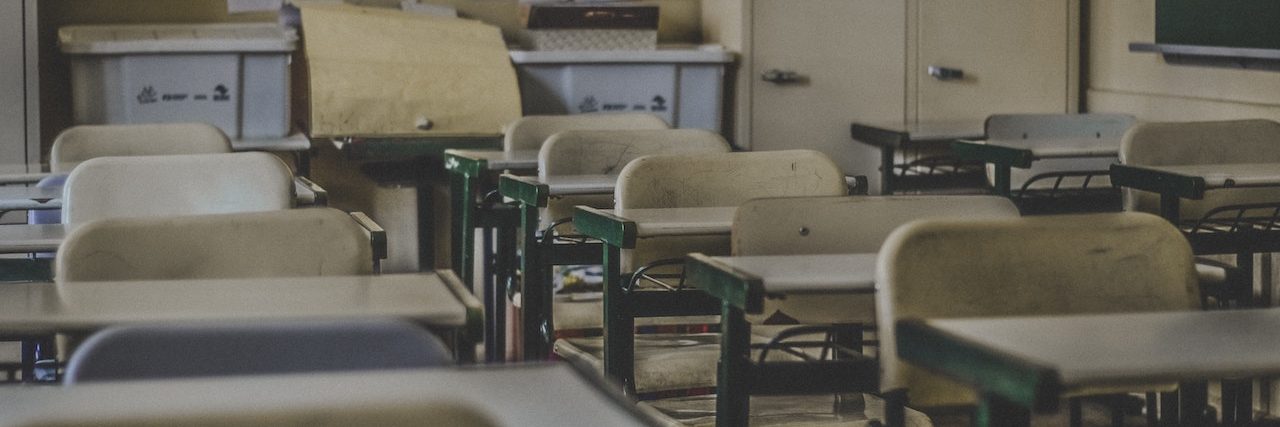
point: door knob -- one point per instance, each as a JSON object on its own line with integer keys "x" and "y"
{"x": 944, "y": 73}
{"x": 777, "y": 76}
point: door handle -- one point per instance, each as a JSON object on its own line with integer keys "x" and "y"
{"x": 944, "y": 73}
{"x": 777, "y": 76}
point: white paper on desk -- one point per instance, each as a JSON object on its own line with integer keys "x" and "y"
{"x": 382, "y": 72}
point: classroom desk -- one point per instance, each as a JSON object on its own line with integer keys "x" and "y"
{"x": 1220, "y": 234}
{"x": 573, "y": 397}
{"x": 1005, "y": 155}
{"x": 619, "y": 232}
{"x": 538, "y": 255}
{"x": 296, "y": 144}
{"x": 13, "y": 196}
{"x": 893, "y": 137}
{"x": 414, "y": 159}
{"x": 742, "y": 283}
{"x": 31, "y": 238}
{"x": 30, "y": 198}
{"x": 1032, "y": 362}
{"x": 470, "y": 179}
{"x": 434, "y": 300}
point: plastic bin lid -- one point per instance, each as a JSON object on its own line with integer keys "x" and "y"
{"x": 171, "y": 38}
{"x": 706, "y": 54}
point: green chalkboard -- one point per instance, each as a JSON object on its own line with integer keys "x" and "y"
{"x": 1224, "y": 23}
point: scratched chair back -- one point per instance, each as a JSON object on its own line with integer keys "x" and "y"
{"x": 1201, "y": 143}
{"x": 838, "y": 225}
{"x": 606, "y": 152}
{"x": 717, "y": 180}
{"x": 116, "y": 187}
{"x": 1032, "y": 131}
{"x": 1051, "y": 265}
{"x": 283, "y": 243}
{"x": 530, "y": 132}
{"x": 77, "y": 144}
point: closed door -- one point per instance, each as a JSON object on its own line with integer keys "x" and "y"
{"x": 1014, "y": 56}
{"x": 846, "y": 60}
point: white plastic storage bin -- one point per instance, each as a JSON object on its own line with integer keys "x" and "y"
{"x": 233, "y": 76}
{"x": 684, "y": 86}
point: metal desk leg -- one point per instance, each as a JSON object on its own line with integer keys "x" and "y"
{"x": 531, "y": 264}
{"x": 619, "y": 323}
{"x": 1193, "y": 398}
{"x": 463, "y": 205}
{"x": 886, "y": 170}
{"x": 733, "y": 396}
{"x": 504, "y": 265}
{"x": 995, "y": 411}
{"x": 1169, "y": 208}
{"x": 1002, "y": 180}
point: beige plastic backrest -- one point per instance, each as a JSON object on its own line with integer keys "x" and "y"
{"x": 1201, "y": 143}
{"x": 80, "y": 143}
{"x": 115, "y": 187}
{"x": 835, "y": 225}
{"x": 606, "y": 152}
{"x": 725, "y": 179}
{"x": 390, "y": 414}
{"x": 717, "y": 180}
{"x": 528, "y": 133}
{"x": 855, "y": 224}
{"x": 284, "y": 243}
{"x": 1052, "y": 265}
{"x": 1058, "y": 130}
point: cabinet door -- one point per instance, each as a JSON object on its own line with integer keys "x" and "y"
{"x": 1015, "y": 55}
{"x": 13, "y": 125}
{"x": 849, "y": 63}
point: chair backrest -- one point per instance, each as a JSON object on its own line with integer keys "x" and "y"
{"x": 717, "y": 180}
{"x": 855, "y": 224}
{"x": 1058, "y": 130}
{"x": 725, "y": 179}
{"x": 1201, "y": 143}
{"x": 80, "y": 143}
{"x": 1052, "y": 265}
{"x": 209, "y": 349}
{"x": 528, "y": 133}
{"x": 606, "y": 152}
{"x": 116, "y": 187}
{"x": 283, "y": 243}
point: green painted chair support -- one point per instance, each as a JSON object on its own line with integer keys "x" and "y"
{"x": 465, "y": 176}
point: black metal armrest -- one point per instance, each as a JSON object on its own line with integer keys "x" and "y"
{"x": 310, "y": 193}
{"x": 377, "y": 238}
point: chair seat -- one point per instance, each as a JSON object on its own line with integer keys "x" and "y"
{"x": 579, "y": 316}
{"x": 851, "y": 410}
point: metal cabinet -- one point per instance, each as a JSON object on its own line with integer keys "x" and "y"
{"x": 19, "y": 88}
{"x": 814, "y": 66}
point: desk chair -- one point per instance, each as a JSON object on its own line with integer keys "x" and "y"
{"x": 528, "y": 133}
{"x": 1211, "y": 143}
{"x": 693, "y": 181}
{"x": 79, "y": 143}
{"x": 141, "y": 352}
{"x": 1059, "y": 185}
{"x": 284, "y": 243}
{"x": 821, "y": 225}
{"x": 599, "y": 153}
{"x": 1052, "y": 265}
{"x": 126, "y": 187}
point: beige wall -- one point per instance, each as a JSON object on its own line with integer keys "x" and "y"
{"x": 1144, "y": 85}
